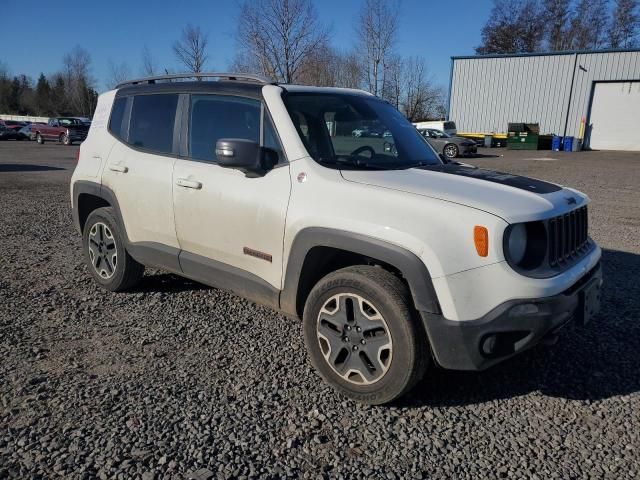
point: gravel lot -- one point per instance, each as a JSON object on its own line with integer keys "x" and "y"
{"x": 176, "y": 380}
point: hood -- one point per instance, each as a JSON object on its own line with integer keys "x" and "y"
{"x": 510, "y": 197}
{"x": 461, "y": 140}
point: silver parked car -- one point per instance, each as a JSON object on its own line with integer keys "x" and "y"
{"x": 450, "y": 147}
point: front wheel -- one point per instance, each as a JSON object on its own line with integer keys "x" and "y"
{"x": 361, "y": 334}
{"x": 450, "y": 150}
{"x": 65, "y": 140}
{"x": 108, "y": 261}
{"x": 39, "y": 139}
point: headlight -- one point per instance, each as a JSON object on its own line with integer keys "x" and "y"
{"x": 525, "y": 245}
{"x": 517, "y": 243}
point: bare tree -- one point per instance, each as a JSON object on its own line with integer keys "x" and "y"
{"x": 623, "y": 32}
{"x": 589, "y": 24}
{"x": 148, "y": 68}
{"x": 392, "y": 88}
{"x": 320, "y": 68}
{"x": 191, "y": 49}
{"x": 78, "y": 82}
{"x": 277, "y": 37}
{"x": 513, "y": 29}
{"x": 377, "y": 31}
{"x": 118, "y": 73}
{"x": 349, "y": 71}
{"x": 421, "y": 100}
{"x": 557, "y": 17}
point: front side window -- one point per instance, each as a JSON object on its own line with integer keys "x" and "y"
{"x": 348, "y": 131}
{"x": 152, "y": 122}
{"x": 214, "y": 117}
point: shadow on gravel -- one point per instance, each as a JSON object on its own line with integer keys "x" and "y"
{"x": 483, "y": 155}
{"x": 595, "y": 362}
{"x": 167, "y": 283}
{"x": 18, "y": 167}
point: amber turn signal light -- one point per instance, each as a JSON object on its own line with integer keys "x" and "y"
{"x": 481, "y": 240}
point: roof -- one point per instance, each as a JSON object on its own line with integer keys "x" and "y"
{"x": 545, "y": 54}
{"x": 229, "y": 87}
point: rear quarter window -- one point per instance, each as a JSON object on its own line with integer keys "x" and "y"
{"x": 152, "y": 122}
{"x": 117, "y": 114}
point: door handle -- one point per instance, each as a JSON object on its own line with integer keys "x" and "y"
{"x": 183, "y": 182}
{"x": 118, "y": 168}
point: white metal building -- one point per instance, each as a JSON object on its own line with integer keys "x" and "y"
{"x": 559, "y": 91}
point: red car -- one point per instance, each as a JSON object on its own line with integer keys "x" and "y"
{"x": 65, "y": 130}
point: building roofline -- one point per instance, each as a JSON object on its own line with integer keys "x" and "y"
{"x": 544, "y": 54}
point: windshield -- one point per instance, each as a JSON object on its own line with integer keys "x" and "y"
{"x": 433, "y": 133}
{"x": 70, "y": 121}
{"x": 349, "y": 131}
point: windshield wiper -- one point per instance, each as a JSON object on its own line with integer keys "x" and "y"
{"x": 419, "y": 164}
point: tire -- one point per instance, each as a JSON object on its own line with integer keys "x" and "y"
{"x": 380, "y": 303}
{"x": 39, "y": 139}
{"x": 107, "y": 259}
{"x": 450, "y": 150}
{"x": 64, "y": 139}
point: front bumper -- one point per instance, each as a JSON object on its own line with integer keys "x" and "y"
{"x": 468, "y": 150}
{"x": 506, "y": 330}
{"x": 77, "y": 137}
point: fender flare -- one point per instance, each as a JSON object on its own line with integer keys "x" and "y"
{"x": 148, "y": 253}
{"x": 410, "y": 266}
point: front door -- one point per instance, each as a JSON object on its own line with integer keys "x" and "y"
{"x": 225, "y": 221}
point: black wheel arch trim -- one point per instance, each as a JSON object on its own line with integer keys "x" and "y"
{"x": 414, "y": 271}
{"x": 186, "y": 264}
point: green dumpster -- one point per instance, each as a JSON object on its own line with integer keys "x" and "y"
{"x": 523, "y": 136}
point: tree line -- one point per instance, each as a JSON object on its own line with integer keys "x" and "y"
{"x": 70, "y": 91}
{"x": 286, "y": 41}
{"x": 282, "y": 39}
{"x": 557, "y": 25}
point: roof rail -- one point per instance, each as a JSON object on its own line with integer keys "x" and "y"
{"x": 178, "y": 76}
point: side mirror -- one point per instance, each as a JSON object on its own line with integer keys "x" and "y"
{"x": 244, "y": 155}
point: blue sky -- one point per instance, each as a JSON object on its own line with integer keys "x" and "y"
{"x": 36, "y": 35}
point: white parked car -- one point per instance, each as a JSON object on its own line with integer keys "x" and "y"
{"x": 446, "y": 126}
{"x": 393, "y": 259}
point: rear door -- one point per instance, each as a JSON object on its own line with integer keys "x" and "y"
{"x": 225, "y": 219}
{"x": 140, "y": 165}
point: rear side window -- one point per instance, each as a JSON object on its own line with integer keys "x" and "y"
{"x": 152, "y": 122}
{"x": 213, "y": 117}
{"x": 117, "y": 113}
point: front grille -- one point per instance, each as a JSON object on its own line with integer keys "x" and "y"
{"x": 568, "y": 236}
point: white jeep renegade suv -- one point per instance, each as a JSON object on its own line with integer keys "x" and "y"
{"x": 393, "y": 258}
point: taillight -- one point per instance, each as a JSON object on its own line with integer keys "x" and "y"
{"x": 78, "y": 155}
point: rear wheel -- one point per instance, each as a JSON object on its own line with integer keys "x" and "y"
{"x": 362, "y": 336}
{"x": 450, "y": 150}
{"x": 108, "y": 261}
{"x": 39, "y": 139}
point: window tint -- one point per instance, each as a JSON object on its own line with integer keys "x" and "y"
{"x": 271, "y": 137}
{"x": 356, "y": 131}
{"x": 152, "y": 120}
{"x": 117, "y": 112}
{"x": 213, "y": 117}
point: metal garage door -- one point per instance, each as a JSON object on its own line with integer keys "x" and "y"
{"x": 615, "y": 116}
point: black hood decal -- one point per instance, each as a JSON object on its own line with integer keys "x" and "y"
{"x": 516, "y": 181}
